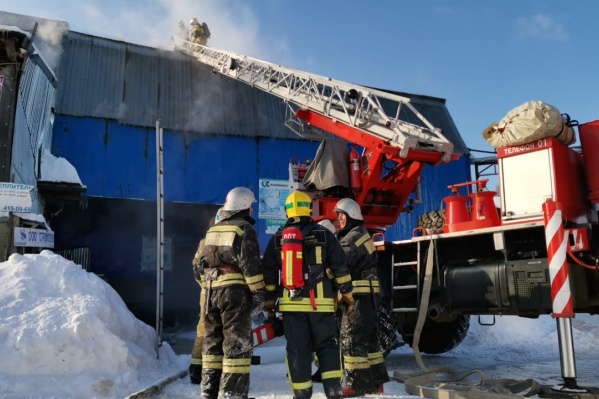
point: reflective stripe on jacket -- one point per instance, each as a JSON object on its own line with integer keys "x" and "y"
{"x": 233, "y": 242}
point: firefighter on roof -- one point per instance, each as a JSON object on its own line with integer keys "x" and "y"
{"x": 309, "y": 258}
{"x": 234, "y": 285}
{"x": 365, "y": 372}
{"x": 195, "y": 365}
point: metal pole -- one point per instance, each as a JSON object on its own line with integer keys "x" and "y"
{"x": 566, "y": 347}
{"x": 159, "y": 236}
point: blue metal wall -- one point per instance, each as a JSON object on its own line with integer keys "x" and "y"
{"x": 118, "y": 161}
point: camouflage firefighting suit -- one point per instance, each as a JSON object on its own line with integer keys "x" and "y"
{"x": 362, "y": 358}
{"x": 308, "y": 329}
{"x": 232, "y": 276}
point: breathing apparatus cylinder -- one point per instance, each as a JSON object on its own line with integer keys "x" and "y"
{"x": 292, "y": 275}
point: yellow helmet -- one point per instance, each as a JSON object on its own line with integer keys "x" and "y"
{"x": 298, "y": 203}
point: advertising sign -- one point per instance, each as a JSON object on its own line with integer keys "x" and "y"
{"x": 15, "y": 197}
{"x": 25, "y": 237}
{"x": 272, "y": 196}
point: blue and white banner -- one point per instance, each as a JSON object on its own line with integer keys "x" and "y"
{"x": 25, "y": 237}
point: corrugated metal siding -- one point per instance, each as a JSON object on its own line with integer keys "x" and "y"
{"x": 112, "y": 93}
{"x": 137, "y": 85}
{"x": 32, "y": 129}
{"x": 119, "y": 161}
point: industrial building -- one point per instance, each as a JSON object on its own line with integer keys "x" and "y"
{"x": 97, "y": 103}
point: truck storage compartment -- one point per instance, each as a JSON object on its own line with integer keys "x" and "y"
{"x": 515, "y": 287}
{"x": 477, "y": 288}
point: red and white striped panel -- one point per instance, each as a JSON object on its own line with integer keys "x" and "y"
{"x": 556, "y": 238}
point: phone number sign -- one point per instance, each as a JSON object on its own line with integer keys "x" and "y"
{"x": 15, "y": 197}
{"x": 25, "y": 237}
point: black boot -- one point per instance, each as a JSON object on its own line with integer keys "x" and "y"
{"x": 195, "y": 373}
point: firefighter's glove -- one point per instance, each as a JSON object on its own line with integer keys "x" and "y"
{"x": 269, "y": 305}
{"x": 257, "y": 302}
{"x": 348, "y": 299}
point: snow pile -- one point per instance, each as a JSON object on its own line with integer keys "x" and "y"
{"x": 66, "y": 333}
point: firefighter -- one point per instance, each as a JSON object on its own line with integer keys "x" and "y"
{"x": 365, "y": 372}
{"x": 234, "y": 285}
{"x": 308, "y": 311}
{"x": 195, "y": 365}
{"x": 198, "y": 35}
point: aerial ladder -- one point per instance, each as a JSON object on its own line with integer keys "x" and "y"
{"x": 372, "y": 119}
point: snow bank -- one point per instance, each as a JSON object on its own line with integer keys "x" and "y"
{"x": 65, "y": 332}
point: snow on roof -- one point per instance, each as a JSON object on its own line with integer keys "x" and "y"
{"x": 58, "y": 169}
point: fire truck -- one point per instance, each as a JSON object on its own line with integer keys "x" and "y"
{"x": 534, "y": 254}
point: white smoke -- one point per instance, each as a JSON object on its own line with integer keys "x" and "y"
{"x": 48, "y": 40}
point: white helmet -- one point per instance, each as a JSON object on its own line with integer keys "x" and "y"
{"x": 194, "y": 21}
{"x": 239, "y": 199}
{"x": 350, "y": 208}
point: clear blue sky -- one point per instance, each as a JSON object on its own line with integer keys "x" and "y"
{"x": 483, "y": 57}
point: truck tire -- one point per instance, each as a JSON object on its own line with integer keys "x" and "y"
{"x": 432, "y": 221}
{"x": 440, "y": 337}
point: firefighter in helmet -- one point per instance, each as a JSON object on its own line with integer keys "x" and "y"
{"x": 365, "y": 372}
{"x": 195, "y": 365}
{"x": 232, "y": 276}
{"x": 309, "y": 258}
{"x": 198, "y": 35}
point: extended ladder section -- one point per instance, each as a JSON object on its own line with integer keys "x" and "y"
{"x": 371, "y": 112}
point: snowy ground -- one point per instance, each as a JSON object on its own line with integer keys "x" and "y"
{"x": 65, "y": 333}
{"x": 514, "y": 348}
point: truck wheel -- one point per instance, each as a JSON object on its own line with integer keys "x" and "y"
{"x": 432, "y": 221}
{"x": 440, "y": 337}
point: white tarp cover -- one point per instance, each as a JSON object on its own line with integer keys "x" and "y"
{"x": 528, "y": 122}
